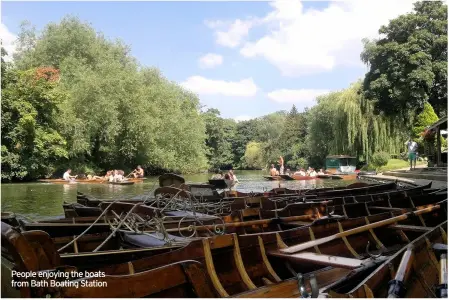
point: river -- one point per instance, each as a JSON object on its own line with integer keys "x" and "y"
{"x": 41, "y": 200}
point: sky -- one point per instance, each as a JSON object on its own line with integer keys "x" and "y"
{"x": 246, "y": 59}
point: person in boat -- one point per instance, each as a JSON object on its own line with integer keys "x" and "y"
{"x": 312, "y": 173}
{"x": 111, "y": 176}
{"x": 273, "y": 170}
{"x": 138, "y": 172}
{"x": 117, "y": 176}
{"x": 288, "y": 172}
{"x": 412, "y": 148}
{"x": 217, "y": 175}
{"x": 300, "y": 172}
{"x": 320, "y": 172}
{"x": 67, "y": 176}
{"x": 232, "y": 176}
{"x": 281, "y": 165}
{"x": 309, "y": 170}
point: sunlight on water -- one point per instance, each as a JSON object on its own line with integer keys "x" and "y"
{"x": 39, "y": 200}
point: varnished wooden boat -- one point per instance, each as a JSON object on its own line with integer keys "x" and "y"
{"x": 418, "y": 270}
{"x": 297, "y": 177}
{"x": 241, "y": 265}
{"x": 273, "y": 178}
{"x": 92, "y": 181}
{"x": 314, "y": 210}
{"x": 276, "y": 201}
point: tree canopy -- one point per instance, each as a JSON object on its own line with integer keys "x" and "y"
{"x": 73, "y": 98}
{"x": 408, "y": 65}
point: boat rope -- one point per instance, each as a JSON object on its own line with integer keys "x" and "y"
{"x": 119, "y": 225}
{"x": 88, "y": 228}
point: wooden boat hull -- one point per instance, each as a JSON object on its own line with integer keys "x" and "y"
{"x": 92, "y": 181}
{"x": 273, "y": 178}
{"x": 421, "y": 274}
{"x": 237, "y": 265}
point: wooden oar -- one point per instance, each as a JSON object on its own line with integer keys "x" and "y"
{"x": 307, "y": 245}
{"x": 396, "y": 287}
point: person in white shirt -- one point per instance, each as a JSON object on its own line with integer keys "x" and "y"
{"x": 412, "y": 148}
{"x": 300, "y": 172}
{"x": 117, "y": 176}
{"x": 232, "y": 176}
{"x": 67, "y": 176}
{"x": 312, "y": 173}
{"x": 320, "y": 172}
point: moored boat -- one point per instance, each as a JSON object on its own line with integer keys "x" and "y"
{"x": 92, "y": 181}
{"x": 232, "y": 265}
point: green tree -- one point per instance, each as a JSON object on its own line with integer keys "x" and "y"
{"x": 31, "y": 144}
{"x": 117, "y": 113}
{"x": 219, "y": 136}
{"x": 425, "y": 118}
{"x": 408, "y": 66}
{"x": 291, "y": 140}
{"x": 253, "y": 156}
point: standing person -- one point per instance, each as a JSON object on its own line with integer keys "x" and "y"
{"x": 138, "y": 172}
{"x": 281, "y": 163}
{"x": 412, "y": 146}
{"x": 67, "y": 176}
{"x": 232, "y": 176}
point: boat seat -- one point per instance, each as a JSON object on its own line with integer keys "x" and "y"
{"x": 146, "y": 241}
{"x": 321, "y": 259}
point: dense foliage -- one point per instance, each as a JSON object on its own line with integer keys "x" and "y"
{"x": 72, "y": 98}
{"x": 380, "y": 159}
{"x": 408, "y": 65}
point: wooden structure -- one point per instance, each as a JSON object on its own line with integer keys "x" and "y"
{"x": 436, "y": 128}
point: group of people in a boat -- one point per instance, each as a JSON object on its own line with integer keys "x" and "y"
{"x": 300, "y": 172}
{"x": 226, "y": 176}
{"x": 111, "y": 176}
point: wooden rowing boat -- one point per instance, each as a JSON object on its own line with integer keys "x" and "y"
{"x": 242, "y": 212}
{"x": 92, "y": 181}
{"x": 268, "y": 203}
{"x": 273, "y": 178}
{"x": 372, "y": 280}
{"x": 418, "y": 270}
{"x": 231, "y": 265}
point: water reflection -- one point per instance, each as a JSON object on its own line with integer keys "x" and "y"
{"x": 38, "y": 200}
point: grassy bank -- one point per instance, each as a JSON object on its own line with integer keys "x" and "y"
{"x": 393, "y": 164}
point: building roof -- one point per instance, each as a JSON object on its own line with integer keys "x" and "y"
{"x": 442, "y": 123}
{"x": 340, "y": 156}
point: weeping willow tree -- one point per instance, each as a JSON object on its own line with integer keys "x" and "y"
{"x": 346, "y": 122}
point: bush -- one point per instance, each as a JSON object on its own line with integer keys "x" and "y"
{"x": 380, "y": 159}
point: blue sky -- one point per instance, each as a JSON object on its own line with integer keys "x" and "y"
{"x": 245, "y": 58}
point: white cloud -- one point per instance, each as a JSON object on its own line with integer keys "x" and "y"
{"x": 210, "y": 60}
{"x": 232, "y": 33}
{"x": 203, "y": 86}
{"x": 299, "y": 41}
{"x": 8, "y": 39}
{"x": 242, "y": 118}
{"x": 303, "y": 97}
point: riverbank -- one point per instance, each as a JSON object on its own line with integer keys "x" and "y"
{"x": 420, "y": 176}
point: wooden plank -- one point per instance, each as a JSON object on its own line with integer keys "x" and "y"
{"x": 321, "y": 259}
{"x": 386, "y": 222}
{"x": 240, "y": 266}
{"x": 266, "y": 261}
{"x": 412, "y": 228}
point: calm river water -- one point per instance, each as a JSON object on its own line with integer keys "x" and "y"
{"x": 40, "y": 200}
